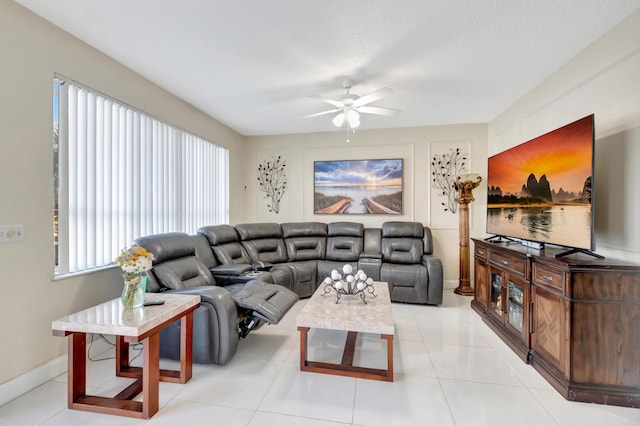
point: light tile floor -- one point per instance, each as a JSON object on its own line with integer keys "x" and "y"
{"x": 450, "y": 369}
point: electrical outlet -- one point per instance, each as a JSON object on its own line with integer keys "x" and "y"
{"x": 11, "y": 233}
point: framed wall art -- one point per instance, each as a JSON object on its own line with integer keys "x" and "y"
{"x": 358, "y": 187}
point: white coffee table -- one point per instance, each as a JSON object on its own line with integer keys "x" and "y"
{"x": 129, "y": 326}
{"x": 354, "y": 316}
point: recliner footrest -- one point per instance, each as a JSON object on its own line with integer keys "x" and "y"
{"x": 269, "y": 302}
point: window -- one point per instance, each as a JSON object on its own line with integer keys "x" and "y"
{"x": 120, "y": 173}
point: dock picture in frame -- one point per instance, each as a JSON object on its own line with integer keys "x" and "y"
{"x": 358, "y": 187}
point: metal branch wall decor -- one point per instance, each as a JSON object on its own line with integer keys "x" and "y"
{"x": 444, "y": 169}
{"x": 272, "y": 180}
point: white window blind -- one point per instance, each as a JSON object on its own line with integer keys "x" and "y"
{"x": 124, "y": 174}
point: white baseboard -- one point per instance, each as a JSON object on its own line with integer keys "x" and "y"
{"x": 38, "y": 376}
{"x": 449, "y": 284}
{"x": 32, "y": 379}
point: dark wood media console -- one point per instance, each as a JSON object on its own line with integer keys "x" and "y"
{"x": 575, "y": 319}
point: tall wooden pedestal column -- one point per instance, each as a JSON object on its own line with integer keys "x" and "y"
{"x": 464, "y": 185}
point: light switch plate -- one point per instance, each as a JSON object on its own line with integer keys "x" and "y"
{"x": 11, "y": 233}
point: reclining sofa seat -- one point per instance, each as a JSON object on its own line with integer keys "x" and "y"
{"x": 235, "y": 265}
{"x": 413, "y": 274}
{"x": 345, "y": 242}
{"x": 265, "y": 246}
{"x": 306, "y": 244}
{"x": 222, "y": 316}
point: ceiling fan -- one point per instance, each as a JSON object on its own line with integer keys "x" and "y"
{"x": 349, "y": 106}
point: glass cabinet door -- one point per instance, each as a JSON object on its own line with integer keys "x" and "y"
{"x": 496, "y": 293}
{"x": 515, "y": 305}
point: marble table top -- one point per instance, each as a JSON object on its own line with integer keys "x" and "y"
{"x": 351, "y": 314}
{"x": 111, "y": 318}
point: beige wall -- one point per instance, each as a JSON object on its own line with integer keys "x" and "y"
{"x": 31, "y": 51}
{"x": 414, "y": 145}
{"x": 603, "y": 80}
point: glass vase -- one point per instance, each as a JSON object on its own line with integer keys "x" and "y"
{"x": 132, "y": 292}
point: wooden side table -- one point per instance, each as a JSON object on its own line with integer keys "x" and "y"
{"x": 129, "y": 326}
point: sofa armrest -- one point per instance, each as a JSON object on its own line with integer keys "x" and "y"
{"x": 436, "y": 280}
{"x": 216, "y": 296}
{"x": 217, "y": 320}
{"x": 231, "y": 269}
{"x": 434, "y": 267}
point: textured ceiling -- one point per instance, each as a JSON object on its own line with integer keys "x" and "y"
{"x": 252, "y": 64}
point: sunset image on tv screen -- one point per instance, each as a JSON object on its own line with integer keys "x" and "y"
{"x": 541, "y": 190}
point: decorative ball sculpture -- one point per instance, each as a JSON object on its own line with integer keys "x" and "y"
{"x": 349, "y": 283}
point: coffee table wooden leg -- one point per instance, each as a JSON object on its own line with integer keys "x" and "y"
{"x": 303, "y": 346}
{"x": 346, "y": 367}
{"x": 77, "y": 365}
{"x": 151, "y": 376}
{"x": 389, "y": 339}
{"x": 349, "y": 349}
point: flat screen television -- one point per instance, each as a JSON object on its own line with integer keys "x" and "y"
{"x": 542, "y": 189}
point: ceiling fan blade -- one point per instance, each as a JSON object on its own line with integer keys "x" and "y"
{"x": 317, "y": 114}
{"x": 334, "y": 102}
{"x": 373, "y": 96}
{"x": 378, "y": 111}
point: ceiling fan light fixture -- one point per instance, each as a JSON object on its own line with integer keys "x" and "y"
{"x": 349, "y": 106}
{"x": 354, "y": 118}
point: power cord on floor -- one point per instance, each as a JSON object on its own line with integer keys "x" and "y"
{"x": 138, "y": 347}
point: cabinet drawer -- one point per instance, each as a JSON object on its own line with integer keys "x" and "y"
{"x": 481, "y": 252}
{"x": 548, "y": 276}
{"x": 510, "y": 263}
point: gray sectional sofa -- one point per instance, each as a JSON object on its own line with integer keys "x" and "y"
{"x": 300, "y": 255}
{"x": 251, "y": 274}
